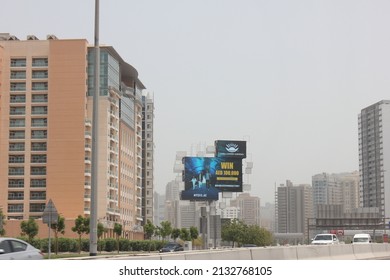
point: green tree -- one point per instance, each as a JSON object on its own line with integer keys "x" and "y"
{"x": 2, "y": 223}
{"x": 157, "y": 232}
{"x": 118, "y": 232}
{"x": 149, "y": 229}
{"x": 194, "y": 233}
{"x": 100, "y": 231}
{"x": 185, "y": 234}
{"x": 165, "y": 229}
{"x": 233, "y": 231}
{"x": 175, "y": 233}
{"x": 81, "y": 226}
{"x": 59, "y": 227}
{"x": 29, "y": 228}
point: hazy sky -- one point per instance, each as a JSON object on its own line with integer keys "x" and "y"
{"x": 288, "y": 76}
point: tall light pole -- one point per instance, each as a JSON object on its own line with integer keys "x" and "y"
{"x": 95, "y": 142}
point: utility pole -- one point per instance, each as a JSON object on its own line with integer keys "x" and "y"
{"x": 95, "y": 142}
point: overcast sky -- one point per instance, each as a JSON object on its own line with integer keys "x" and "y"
{"x": 290, "y": 77}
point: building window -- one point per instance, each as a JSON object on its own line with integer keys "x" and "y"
{"x": 38, "y": 170}
{"x": 39, "y": 98}
{"x": 38, "y": 158}
{"x": 15, "y": 171}
{"x": 37, "y": 207}
{"x": 39, "y": 110}
{"x": 18, "y": 62}
{"x": 38, "y": 134}
{"x": 38, "y": 183}
{"x": 15, "y": 208}
{"x": 38, "y": 146}
{"x": 16, "y": 159}
{"x": 16, "y": 134}
{"x": 15, "y": 195}
{"x": 15, "y": 183}
{"x": 17, "y": 111}
{"x": 19, "y": 86}
{"x": 39, "y": 86}
{"x": 40, "y": 62}
{"x": 18, "y": 74}
{"x": 38, "y": 195}
{"x": 39, "y": 122}
{"x": 16, "y": 147}
{"x": 39, "y": 74}
{"x": 17, "y": 123}
{"x": 19, "y": 98}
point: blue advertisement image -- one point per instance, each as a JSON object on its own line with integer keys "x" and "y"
{"x": 205, "y": 177}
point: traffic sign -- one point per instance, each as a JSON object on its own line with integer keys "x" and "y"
{"x": 50, "y": 214}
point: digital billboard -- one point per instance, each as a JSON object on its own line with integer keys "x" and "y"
{"x": 230, "y": 148}
{"x": 204, "y": 177}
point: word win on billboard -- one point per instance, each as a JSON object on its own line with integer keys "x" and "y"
{"x": 205, "y": 177}
{"x": 230, "y": 148}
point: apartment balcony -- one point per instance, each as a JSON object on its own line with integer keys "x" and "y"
{"x": 88, "y": 135}
{"x": 87, "y": 197}
{"x": 87, "y": 210}
{"x": 88, "y": 147}
{"x": 113, "y": 197}
{"x": 113, "y": 101}
{"x": 113, "y": 162}
{"x": 87, "y": 160}
{"x": 113, "y": 113}
{"x": 113, "y": 138}
{"x": 88, "y": 123}
{"x": 113, "y": 211}
{"x": 112, "y": 174}
{"x": 87, "y": 185}
{"x": 87, "y": 172}
{"x": 139, "y": 218}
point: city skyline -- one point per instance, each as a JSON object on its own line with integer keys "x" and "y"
{"x": 290, "y": 78}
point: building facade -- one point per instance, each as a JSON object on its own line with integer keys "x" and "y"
{"x": 46, "y": 103}
{"x": 249, "y": 208}
{"x": 293, "y": 207}
{"x": 148, "y": 156}
{"x": 374, "y": 157}
{"x": 336, "y": 189}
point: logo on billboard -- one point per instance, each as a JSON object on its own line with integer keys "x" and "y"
{"x": 232, "y": 148}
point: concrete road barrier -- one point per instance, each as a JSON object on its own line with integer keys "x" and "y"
{"x": 302, "y": 252}
{"x": 274, "y": 253}
{"x": 313, "y": 252}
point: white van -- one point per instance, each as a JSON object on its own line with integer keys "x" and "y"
{"x": 361, "y": 238}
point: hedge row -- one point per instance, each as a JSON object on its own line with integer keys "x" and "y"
{"x": 107, "y": 245}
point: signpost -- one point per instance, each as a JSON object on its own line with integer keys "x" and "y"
{"x": 49, "y": 217}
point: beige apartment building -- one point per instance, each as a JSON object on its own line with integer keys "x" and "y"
{"x": 46, "y": 102}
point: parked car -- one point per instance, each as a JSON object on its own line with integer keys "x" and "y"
{"x": 248, "y": 245}
{"x": 171, "y": 247}
{"x": 361, "y": 238}
{"x": 325, "y": 239}
{"x": 16, "y": 249}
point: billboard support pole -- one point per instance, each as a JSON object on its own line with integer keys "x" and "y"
{"x": 215, "y": 224}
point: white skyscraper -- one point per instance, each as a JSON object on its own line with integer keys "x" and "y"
{"x": 374, "y": 157}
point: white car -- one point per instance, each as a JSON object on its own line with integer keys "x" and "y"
{"x": 16, "y": 249}
{"x": 361, "y": 238}
{"x": 325, "y": 239}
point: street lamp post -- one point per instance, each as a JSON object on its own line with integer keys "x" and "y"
{"x": 95, "y": 133}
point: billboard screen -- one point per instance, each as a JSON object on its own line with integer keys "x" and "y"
{"x": 230, "y": 149}
{"x": 204, "y": 177}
